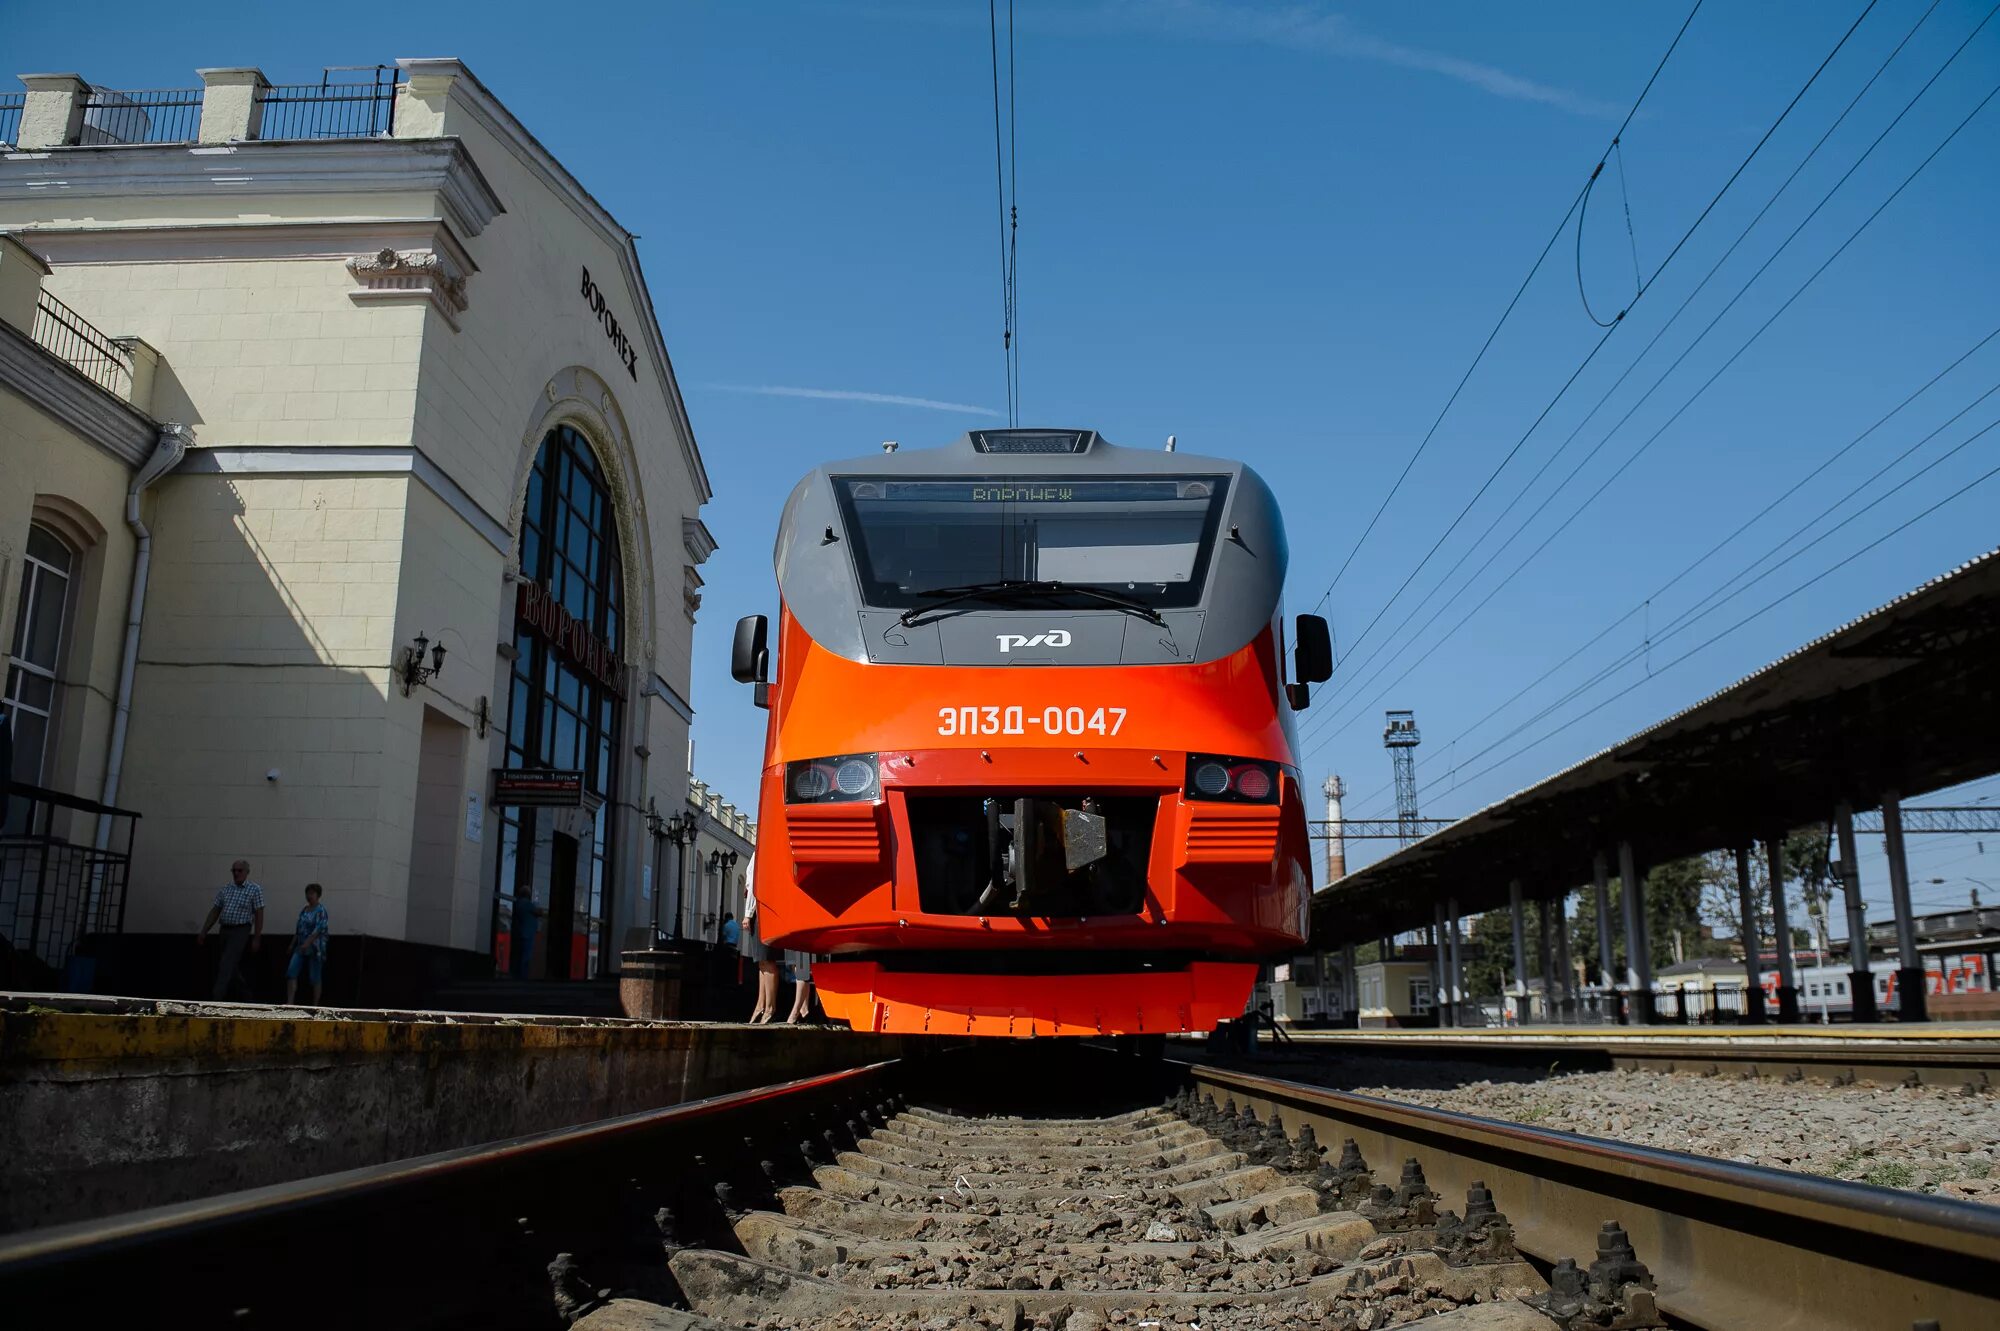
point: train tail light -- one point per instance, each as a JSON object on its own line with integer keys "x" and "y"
{"x": 852, "y": 778}
{"x": 1213, "y": 776}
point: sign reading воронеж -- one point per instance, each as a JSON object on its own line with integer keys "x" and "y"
{"x": 593, "y": 296}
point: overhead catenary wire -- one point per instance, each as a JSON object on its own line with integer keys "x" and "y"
{"x": 1752, "y": 617}
{"x": 1609, "y": 332}
{"x": 1330, "y": 733}
{"x": 1500, "y": 323}
{"x": 1706, "y": 555}
{"x": 1659, "y": 334}
{"x": 1328, "y": 728}
{"x": 1006, "y": 180}
{"x": 1701, "y": 610}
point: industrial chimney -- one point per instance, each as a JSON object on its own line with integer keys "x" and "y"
{"x": 1336, "y": 836}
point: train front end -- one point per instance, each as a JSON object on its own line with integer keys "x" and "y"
{"x": 1031, "y": 767}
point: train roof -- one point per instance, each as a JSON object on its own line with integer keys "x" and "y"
{"x": 1239, "y": 596}
{"x": 1027, "y": 453}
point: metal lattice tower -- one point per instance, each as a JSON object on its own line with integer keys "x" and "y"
{"x": 1400, "y": 738}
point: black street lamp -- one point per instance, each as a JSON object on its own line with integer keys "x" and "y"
{"x": 680, "y": 830}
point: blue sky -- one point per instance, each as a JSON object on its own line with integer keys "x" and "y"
{"x": 1281, "y": 232}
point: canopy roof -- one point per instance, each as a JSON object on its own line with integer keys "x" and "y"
{"x": 1904, "y": 699}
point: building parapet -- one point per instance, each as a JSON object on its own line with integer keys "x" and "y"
{"x": 232, "y": 105}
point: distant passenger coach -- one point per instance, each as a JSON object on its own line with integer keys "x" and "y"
{"x": 1031, "y": 765}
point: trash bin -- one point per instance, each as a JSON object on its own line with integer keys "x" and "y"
{"x": 649, "y": 984}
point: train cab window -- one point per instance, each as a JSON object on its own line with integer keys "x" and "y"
{"x": 1148, "y": 538}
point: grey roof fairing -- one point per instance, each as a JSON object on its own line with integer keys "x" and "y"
{"x": 1246, "y": 573}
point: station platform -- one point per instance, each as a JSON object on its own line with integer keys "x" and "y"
{"x": 1844, "y": 1033}
{"x": 1957, "y": 1054}
{"x": 108, "y": 1104}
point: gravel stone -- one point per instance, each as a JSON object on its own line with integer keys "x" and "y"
{"x": 1919, "y": 1138}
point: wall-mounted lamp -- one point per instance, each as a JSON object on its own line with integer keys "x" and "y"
{"x": 412, "y": 671}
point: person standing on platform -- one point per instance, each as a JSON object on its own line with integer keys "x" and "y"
{"x": 732, "y": 933}
{"x": 754, "y": 949}
{"x": 239, "y": 908}
{"x": 526, "y": 924}
{"x": 802, "y": 986}
{"x": 308, "y": 946}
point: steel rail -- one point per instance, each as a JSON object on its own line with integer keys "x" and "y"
{"x": 460, "y": 1237}
{"x": 1970, "y": 1060}
{"x": 1731, "y": 1245}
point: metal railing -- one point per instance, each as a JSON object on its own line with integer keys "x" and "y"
{"x": 55, "y": 886}
{"x": 11, "y": 106}
{"x": 329, "y": 109}
{"x": 157, "y": 115}
{"x": 73, "y": 338}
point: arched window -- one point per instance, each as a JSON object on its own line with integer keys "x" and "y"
{"x": 41, "y": 625}
{"x": 563, "y": 713}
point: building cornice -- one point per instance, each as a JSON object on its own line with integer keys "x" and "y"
{"x": 258, "y": 167}
{"x": 349, "y": 460}
{"x": 676, "y": 704}
{"x": 478, "y": 101}
{"x": 52, "y": 386}
{"x": 700, "y": 542}
{"x": 236, "y": 242}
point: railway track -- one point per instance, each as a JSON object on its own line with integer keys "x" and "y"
{"x": 1034, "y": 1187}
{"x": 1795, "y": 1055}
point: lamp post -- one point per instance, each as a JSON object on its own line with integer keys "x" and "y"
{"x": 657, "y": 827}
{"x": 680, "y": 829}
{"x": 720, "y": 862}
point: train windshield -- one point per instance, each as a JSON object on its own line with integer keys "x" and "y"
{"x": 1148, "y": 539}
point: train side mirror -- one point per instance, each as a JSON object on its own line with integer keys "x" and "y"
{"x": 750, "y": 655}
{"x": 1312, "y": 651}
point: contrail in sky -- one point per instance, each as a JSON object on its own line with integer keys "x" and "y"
{"x": 851, "y": 395}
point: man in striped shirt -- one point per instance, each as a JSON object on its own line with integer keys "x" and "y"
{"x": 239, "y": 908}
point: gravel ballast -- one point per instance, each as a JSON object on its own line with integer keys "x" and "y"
{"x": 1926, "y": 1139}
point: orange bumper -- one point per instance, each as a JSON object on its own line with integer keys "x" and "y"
{"x": 1197, "y": 999}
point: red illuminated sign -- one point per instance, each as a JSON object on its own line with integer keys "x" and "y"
{"x": 550, "y": 621}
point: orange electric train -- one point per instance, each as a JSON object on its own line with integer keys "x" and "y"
{"x": 1031, "y": 767}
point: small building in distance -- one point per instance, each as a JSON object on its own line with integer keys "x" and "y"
{"x": 1397, "y": 993}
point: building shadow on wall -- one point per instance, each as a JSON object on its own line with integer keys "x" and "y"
{"x": 266, "y": 726}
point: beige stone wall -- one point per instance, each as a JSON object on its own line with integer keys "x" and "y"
{"x": 44, "y": 462}
{"x": 268, "y": 638}
{"x": 267, "y": 351}
{"x": 451, "y": 589}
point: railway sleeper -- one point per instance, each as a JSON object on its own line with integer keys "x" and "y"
{"x": 786, "y": 1240}
{"x": 1111, "y": 1147}
{"x": 989, "y": 1174}
{"x": 1045, "y": 1142}
{"x": 737, "y": 1289}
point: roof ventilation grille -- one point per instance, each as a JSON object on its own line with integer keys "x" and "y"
{"x": 1031, "y": 441}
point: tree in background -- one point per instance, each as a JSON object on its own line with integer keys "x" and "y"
{"x": 1809, "y": 864}
{"x": 1808, "y": 887}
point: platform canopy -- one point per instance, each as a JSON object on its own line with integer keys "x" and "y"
{"x": 1905, "y": 699}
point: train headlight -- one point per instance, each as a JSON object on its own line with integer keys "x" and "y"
{"x": 848, "y": 778}
{"x": 1236, "y": 780}
{"x": 855, "y": 778}
{"x": 1210, "y": 779}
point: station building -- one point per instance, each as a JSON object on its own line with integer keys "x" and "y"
{"x": 349, "y": 524}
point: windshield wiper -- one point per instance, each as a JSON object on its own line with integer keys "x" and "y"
{"x": 1010, "y": 587}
